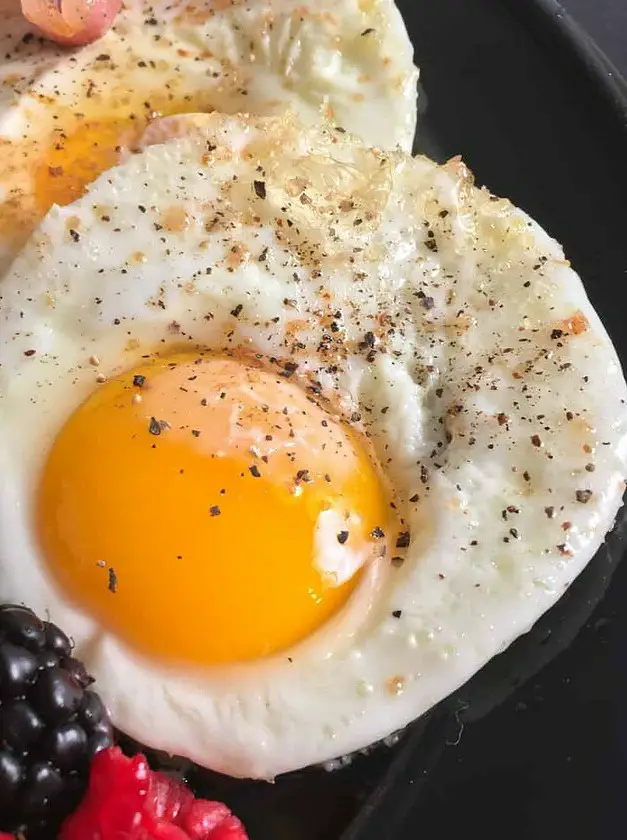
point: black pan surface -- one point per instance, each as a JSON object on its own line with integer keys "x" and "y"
{"x": 535, "y": 746}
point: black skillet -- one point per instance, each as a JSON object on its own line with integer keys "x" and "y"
{"x": 535, "y": 746}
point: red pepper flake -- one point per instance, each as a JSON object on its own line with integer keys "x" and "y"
{"x": 395, "y": 685}
{"x": 583, "y": 496}
{"x": 260, "y": 189}
{"x": 535, "y": 440}
{"x": 113, "y": 581}
{"x": 502, "y": 418}
{"x": 254, "y": 471}
{"x": 342, "y": 537}
{"x": 29, "y": 352}
{"x": 214, "y": 510}
{"x": 563, "y": 549}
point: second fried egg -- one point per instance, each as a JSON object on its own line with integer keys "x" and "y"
{"x": 67, "y": 116}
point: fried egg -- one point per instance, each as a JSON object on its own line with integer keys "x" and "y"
{"x": 67, "y": 116}
{"x": 295, "y": 436}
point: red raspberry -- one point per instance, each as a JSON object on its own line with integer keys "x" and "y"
{"x": 126, "y": 800}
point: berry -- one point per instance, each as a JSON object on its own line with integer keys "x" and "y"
{"x": 126, "y": 800}
{"x": 51, "y": 724}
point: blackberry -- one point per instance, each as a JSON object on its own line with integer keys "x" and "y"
{"x": 51, "y": 725}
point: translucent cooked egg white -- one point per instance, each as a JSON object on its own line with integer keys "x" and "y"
{"x": 439, "y": 361}
{"x": 66, "y": 116}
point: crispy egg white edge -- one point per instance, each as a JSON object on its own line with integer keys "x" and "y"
{"x": 331, "y": 698}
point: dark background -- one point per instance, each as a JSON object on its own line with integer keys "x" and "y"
{"x": 606, "y": 21}
{"x": 551, "y": 760}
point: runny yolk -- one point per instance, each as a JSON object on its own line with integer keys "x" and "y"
{"x": 78, "y": 155}
{"x": 79, "y": 150}
{"x": 207, "y": 511}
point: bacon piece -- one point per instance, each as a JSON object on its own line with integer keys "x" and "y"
{"x": 71, "y": 22}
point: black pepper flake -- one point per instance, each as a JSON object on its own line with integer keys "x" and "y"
{"x": 402, "y": 541}
{"x": 304, "y": 475}
{"x": 139, "y": 381}
{"x": 154, "y": 427}
{"x": 260, "y": 189}
{"x": 29, "y": 352}
{"x": 342, "y": 537}
{"x": 397, "y": 561}
{"x": 368, "y": 31}
{"x": 555, "y": 334}
{"x": 254, "y": 471}
{"x": 237, "y": 311}
{"x": 368, "y": 340}
{"x": 75, "y": 235}
{"x": 535, "y": 440}
{"x": 214, "y": 510}
{"x": 397, "y": 613}
{"x": 113, "y": 581}
{"x": 196, "y": 432}
{"x": 583, "y": 496}
{"x": 550, "y": 512}
{"x": 377, "y": 533}
{"x": 428, "y": 302}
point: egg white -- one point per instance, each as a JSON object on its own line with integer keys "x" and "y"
{"x": 462, "y": 334}
{"x": 347, "y": 60}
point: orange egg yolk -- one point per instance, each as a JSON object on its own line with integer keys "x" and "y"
{"x": 79, "y": 155}
{"x": 207, "y": 511}
{"x": 81, "y": 149}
